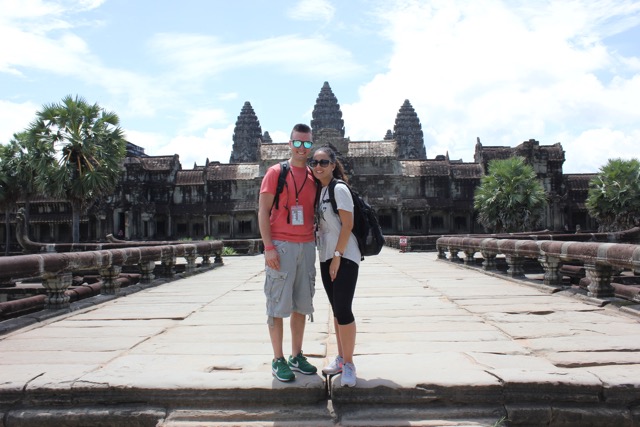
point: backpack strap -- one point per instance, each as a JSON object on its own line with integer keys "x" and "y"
{"x": 282, "y": 181}
{"x": 332, "y": 188}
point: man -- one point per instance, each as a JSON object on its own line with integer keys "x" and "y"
{"x": 287, "y": 232}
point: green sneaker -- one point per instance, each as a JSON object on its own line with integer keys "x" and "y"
{"x": 300, "y": 364}
{"x": 281, "y": 370}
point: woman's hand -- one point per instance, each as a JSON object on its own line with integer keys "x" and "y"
{"x": 334, "y": 267}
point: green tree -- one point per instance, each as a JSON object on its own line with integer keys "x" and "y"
{"x": 510, "y": 198}
{"x": 9, "y": 190}
{"x": 88, "y": 146}
{"x": 30, "y": 161}
{"x": 614, "y": 195}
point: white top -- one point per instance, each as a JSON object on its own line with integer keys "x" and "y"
{"x": 329, "y": 224}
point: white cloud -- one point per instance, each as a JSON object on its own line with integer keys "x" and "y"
{"x": 200, "y": 119}
{"x": 15, "y": 117}
{"x": 214, "y": 144}
{"x": 228, "y": 96}
{"x": 596, "y": 146}
{"x": 312, "y": 10}
{"x": 504, "y": 74}
{"x": 198, "y": 56}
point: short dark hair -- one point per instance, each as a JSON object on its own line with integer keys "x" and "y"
{"x": 300, "y": 127}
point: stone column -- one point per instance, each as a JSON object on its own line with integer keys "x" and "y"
{"x": 515, "y": 266}
{"x": 146, "y": 268}
{"x": 56, "y": 285}
{"x": 109, "y": 278}
{"x": 551, "y": 265}
{"x": 489, "y": 262}
{"x": 442, "y": 254}
{"x": 599, "y": 280}
{"x": 206, "y": 261}
{"x": 168, "y": 265}
{"x": 453, "y": 254}
{"x": 191, "y": 263}
{"x": 468, "y": 256}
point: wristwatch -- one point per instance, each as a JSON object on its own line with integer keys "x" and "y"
{"x": 337, "y": 253}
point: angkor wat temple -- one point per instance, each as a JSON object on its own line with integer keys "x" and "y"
{"x": 414, "y": 195}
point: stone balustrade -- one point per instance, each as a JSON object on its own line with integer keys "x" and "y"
{"x": 600, "y": 260}
{"x": 56, "y": 269}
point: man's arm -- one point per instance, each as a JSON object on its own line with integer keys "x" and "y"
{"x": 265, "y": 202}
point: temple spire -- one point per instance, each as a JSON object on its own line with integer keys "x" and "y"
{"x": 326, "y": 113}
{"x": 408, "y": 133}
{"x": 247, "y": 137}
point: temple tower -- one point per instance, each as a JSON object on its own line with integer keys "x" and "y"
{"x": 408, "y": 133}
{"x": 326, "y": 113}
{"x": 247, "y": 137}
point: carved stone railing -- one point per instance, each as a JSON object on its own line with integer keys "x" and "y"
{"x": 600, "y": 260}
{"x": 631, "y": 235}
{"x": 56, "y": 269}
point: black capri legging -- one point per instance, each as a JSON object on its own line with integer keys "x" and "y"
{"x": 341, "y": 291}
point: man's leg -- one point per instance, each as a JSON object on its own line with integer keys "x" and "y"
{"x": 298, "y": 322}
{"x": 276, "y": 334}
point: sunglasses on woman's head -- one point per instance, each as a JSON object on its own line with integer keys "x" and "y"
{"x": 307, "y": 144}
{"x": 324, "y": 163}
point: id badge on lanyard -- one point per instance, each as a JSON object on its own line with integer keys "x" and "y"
{"x": 297, "y": 215}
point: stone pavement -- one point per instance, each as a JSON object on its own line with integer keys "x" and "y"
{"x": 438, "y": 344}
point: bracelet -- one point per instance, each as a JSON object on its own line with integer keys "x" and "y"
{"x": 269, "y": 248}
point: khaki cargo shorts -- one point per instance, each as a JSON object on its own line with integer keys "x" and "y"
{"x": 292, "y": 287}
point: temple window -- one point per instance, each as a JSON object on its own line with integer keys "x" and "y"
{"x": 416, "y": 222}
{"x": 244, "y": 227}
{"x": 437, "y": 222}
{"x": 223, "y": 227}
{"x": 385, "y": 221}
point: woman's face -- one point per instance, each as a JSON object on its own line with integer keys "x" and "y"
{"x": 322, "y": 166}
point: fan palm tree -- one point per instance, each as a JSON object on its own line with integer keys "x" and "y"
{"x": 614, "y": 195}
{"x": 29, "y": 159}
{"x": 88, "y": 146}
{"x": 510, "y": 198}
{"x": 9, "y": 190}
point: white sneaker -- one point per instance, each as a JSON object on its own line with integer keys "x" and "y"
{"x": 348, "y": 377}
{"x": 334, "y": 367}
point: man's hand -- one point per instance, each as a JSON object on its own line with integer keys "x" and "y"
{"x": 272, "y": 259}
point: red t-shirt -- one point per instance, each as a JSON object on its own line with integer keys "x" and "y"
{"x": 302, "y": 180}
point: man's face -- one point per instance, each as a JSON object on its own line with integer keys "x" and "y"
{"x": 300, "y": 152}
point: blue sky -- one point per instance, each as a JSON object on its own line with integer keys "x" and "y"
{"x": 178, "y": 72}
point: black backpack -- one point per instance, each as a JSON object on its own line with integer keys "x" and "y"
{"x": 365, "y": 222}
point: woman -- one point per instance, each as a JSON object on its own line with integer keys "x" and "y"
{"x": 339, "y": 259}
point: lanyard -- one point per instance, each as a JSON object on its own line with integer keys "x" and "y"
{"x": 295, "y": 185}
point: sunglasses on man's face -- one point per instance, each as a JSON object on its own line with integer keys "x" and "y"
{"x": 324, "y": 163}
{"x": 307, "y": 144}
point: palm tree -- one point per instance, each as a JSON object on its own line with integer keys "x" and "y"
{"x": 29, "y": 159}
{"x": 9, "y": 191}
{"x": 614, "y": 195}
{"x": 88, "y": 145}
{"x": 510, "y": 198}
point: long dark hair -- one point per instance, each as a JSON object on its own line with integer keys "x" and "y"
{"x": 338, "y": 171}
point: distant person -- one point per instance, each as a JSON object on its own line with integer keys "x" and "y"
{"x": 339, "y": 259}
{"x": 289, "y": 251}
{"x": 120, "y": 234}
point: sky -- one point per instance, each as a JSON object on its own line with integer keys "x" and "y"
{"x": 177, "y": 73}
